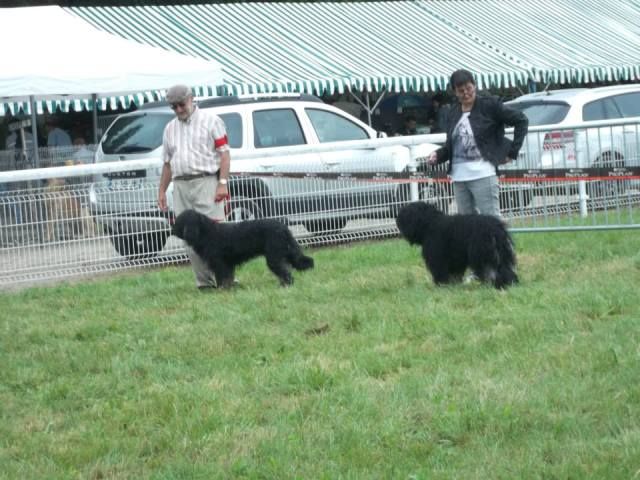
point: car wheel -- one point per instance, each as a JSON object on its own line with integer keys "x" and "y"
{"x": 239, "y": 209}
{"x": 439, "y": 194}
{"x": 140, "y": 245}
{"x": 605, "y": 189}
{"x": 325, "y": 226}
{"x": 515, "y": 199}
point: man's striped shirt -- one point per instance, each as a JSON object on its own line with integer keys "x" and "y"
{"x": 193, "y": 146}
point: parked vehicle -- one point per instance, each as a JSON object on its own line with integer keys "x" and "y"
{"x": 126, "y": 208}
{"x": 611, "y": 146}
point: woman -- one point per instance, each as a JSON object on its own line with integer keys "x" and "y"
{"x": 476, "y": 145}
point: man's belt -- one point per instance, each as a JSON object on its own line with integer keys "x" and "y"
{"x": 194, "y": 176}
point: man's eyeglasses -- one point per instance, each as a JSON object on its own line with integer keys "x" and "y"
{"x": 174, "y": 106}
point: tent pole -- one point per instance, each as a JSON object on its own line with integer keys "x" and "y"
{"x": 368, "y": 109}
{"x": 34, "y": 132}
{"x": 366, "y": 106}
{"x": 380, "y": 98}
{"x": 94, "y": 118}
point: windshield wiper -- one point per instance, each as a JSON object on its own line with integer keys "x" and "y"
{"x": 132, "y": 149}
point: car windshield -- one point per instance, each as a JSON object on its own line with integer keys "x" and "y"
{"x": 143, "y": 133}
{"x": 135, "y": 133}
{"x": 542, "y": 113}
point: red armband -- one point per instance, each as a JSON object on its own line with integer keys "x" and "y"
{"x": 220, "y": 142}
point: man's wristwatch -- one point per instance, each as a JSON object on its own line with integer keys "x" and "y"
{"x": 223, "y": 181}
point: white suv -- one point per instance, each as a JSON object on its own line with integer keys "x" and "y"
{"x": 583, "y": 148}
{"x": 125, "y": 204}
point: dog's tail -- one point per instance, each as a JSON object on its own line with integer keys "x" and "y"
{"x": 296, "y": 258}
{"x": 506, "y": 275}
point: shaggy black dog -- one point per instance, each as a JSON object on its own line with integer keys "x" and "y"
{"x": 451, "y": 243}
{"x": 224, "y": 246}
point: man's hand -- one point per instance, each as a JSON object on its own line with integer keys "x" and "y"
{"x": 221, "y": 193}
{"x": 162, "y": 201}
{"x": 165, "y": 180}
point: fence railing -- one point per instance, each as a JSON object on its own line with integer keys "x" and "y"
{"x": 79, "y": 220}
{"x": 21, "y": 159}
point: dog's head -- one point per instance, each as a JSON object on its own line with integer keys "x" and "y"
{"x": 414, "y": 220}
{"x": 189, "y": 226}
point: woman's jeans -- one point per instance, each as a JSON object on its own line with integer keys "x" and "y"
{"x": 478, "y": 196}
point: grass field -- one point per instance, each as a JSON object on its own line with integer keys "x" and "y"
{"x": 363, "y": 369}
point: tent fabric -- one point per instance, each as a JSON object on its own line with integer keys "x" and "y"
{"x": 62, "y": 61}
{"x": 314, "y": 47}
{"x": 398, "y": 46}
{"x": 330, "y": 47}
{"x": 564, "y": 41}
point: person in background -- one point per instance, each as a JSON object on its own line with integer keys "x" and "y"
{"x": 81, "y": 153}
{"x": 439, "y": 114}
{"x": 476, "y": 145}
{"x": 196, "y": 158}
{"x": 409, "y": 126}
{"x": 56, "y": 137}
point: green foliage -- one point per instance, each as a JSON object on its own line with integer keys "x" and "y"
{"x": 363, "y": 369}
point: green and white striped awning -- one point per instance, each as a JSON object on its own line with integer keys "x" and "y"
{"x": 315, "y": 47}
{"x": 111, "y": 102}
{"x": 319, "y": 47}
{"x": 563, "y": 41}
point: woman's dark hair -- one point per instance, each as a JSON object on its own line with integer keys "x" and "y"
{"x": 460, "y": 77}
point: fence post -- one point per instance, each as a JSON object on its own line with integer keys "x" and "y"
{"x": 582, "y": 186}
{"x": 34, "y": 132}
{"x": 412, "y": 167}
{"x": 582, "y": 197}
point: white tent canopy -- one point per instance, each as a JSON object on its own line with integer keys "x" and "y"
{"x": 49, "y": 54}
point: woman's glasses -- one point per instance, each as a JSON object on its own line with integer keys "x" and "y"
{"x": 466, "y": 88}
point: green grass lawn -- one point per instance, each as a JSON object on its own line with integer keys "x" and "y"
{"x": 363, "y": 369}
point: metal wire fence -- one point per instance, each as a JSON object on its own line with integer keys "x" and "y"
{"x": 87, "y": 219}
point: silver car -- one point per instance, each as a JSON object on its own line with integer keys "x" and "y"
{"x": 609, "y": 146}
{"x": 124, "y": 204}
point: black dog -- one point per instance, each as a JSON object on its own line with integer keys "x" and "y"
{"x": 224, "y": 246}
{"x": 451, "y": 243}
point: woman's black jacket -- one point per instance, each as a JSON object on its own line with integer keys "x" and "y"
{"x": 488, "y": 118}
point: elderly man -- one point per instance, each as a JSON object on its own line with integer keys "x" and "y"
{"x": 196, "y": 158}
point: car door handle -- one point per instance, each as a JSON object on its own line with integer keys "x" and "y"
{"x": 332, "y": 163}
{"x": 266, "y": 166}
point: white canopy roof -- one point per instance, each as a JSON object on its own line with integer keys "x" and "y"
{"x": 53, "y": 55}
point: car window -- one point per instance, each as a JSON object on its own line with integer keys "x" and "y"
{"x": 331, "y": 127}
{"x": 601, "y": 109}
{"x": 276, "y": 128}
{"x": 628, "y": 103}
{"x": 542, "y": 113}
{"x": 233, "y": 122}
{"x": 135, "y": 133}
